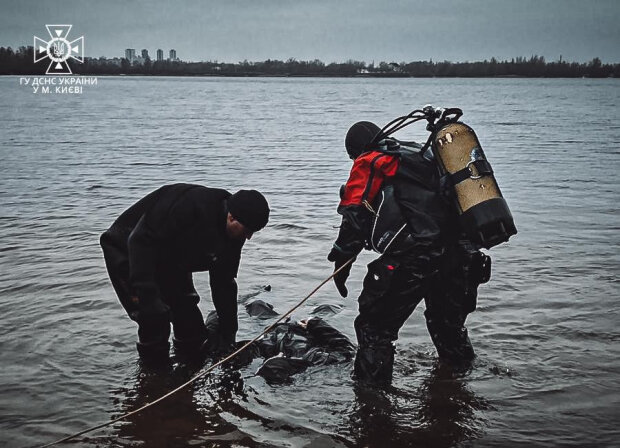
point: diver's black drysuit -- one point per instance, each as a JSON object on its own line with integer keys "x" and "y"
{"x": 427, "y": 259}
{"x": 151, "y": 251}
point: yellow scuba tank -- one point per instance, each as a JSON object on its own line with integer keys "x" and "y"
{"x": 483, "y": 211}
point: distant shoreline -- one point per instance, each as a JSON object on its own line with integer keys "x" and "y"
{"x": 365, "y": 76}
{"x": 21, "y": 62}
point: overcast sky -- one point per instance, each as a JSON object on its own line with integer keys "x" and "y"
{"x": 330, "y": 30}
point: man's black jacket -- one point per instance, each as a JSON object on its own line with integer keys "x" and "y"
{"x": 181, "y": 228}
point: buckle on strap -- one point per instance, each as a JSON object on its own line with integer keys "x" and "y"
{"x": 482, "y": 168}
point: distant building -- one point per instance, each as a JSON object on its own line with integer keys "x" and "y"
{"x": 160, "y": 55}
{"x": 173, "y": 55}
{"x": 130, "y": 54}
{"x": 145, "y": 53}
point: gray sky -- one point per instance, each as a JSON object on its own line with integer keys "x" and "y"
{"x": 330, "y": 30}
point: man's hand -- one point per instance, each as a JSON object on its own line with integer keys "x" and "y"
{"x": 340, "y": 258}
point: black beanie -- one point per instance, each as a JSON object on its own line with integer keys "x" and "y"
{"x": 359, "y": 136}
{"x": 250, "y": 208}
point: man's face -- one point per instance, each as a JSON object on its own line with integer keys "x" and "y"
{"x": 237, "y": 231}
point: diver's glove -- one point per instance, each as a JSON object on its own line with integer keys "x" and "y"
{"x": 339, "y": 258}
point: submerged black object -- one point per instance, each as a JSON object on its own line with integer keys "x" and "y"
{"x": 296, "y": 339}
{"x": 289, "y": 348}
{"x": 260, "y": 308}
{"x": 278, "y": 369}
{"x": 292, "y": 347}
{"x": 326, "y": 309}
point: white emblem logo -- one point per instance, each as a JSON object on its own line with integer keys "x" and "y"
{"x": 58, "y": 49}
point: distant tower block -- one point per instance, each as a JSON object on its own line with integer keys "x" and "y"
{"x": 130, "y": 54}
{"x": 160, "y": 55}
{"x": 173, "y": 55}
{"x": 145, "y": 53}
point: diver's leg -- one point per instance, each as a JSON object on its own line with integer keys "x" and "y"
{"x": 452, "y": 296}
{"x": 390, "y": 294}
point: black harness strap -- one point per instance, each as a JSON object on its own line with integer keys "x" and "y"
{"x": 482, "y": 167}
{"x": 448, "y": 181}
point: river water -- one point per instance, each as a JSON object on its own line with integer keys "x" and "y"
{"x": 546, "y": 329}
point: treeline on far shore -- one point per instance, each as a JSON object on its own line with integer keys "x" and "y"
{"x": 21, "y": 62}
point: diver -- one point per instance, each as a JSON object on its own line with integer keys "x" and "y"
{"x": 392, "y": 203}
{"x": 153, "y": 248}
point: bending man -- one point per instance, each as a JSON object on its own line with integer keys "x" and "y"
{"x": 153, "y": 248}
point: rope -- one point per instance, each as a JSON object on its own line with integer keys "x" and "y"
{"x": 203, "y": 373}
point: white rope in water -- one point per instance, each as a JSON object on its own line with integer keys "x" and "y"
{"x": 204, "y": 372}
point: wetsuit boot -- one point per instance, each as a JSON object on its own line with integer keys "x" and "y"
{"x": 154, "y": 352}
{"x": 153, "y": 334}
{"x": 374, "y": 360}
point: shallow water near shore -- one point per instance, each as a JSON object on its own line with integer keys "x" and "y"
{"x": 545, "y": 331}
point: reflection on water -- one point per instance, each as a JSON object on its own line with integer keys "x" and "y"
{"x": 181, "y": 414}
{"x": 442, "y": 412}
{"x": 449, "y": 408}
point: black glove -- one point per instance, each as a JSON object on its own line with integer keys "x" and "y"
{"x": 339, "y": 258}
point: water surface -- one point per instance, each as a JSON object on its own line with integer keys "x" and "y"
{"x": 546, "y": 332}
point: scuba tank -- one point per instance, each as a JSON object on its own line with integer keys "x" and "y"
{"x": 483, "y": 211}
{"x": 467, "y": 176}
